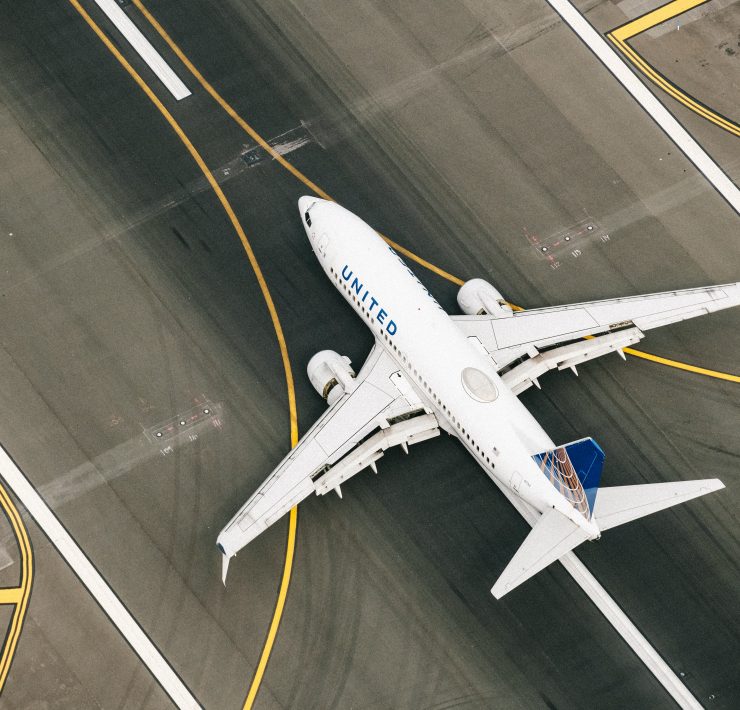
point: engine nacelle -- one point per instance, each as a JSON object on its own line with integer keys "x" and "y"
{"x": 331, "y": 375}
{"x": 477, "y": 298}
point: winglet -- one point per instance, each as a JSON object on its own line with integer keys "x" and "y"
{"x": 224, "y": 567}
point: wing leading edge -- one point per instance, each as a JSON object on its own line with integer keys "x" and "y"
{"x": 340, "y": 444}
{"x": 551, "y": 337}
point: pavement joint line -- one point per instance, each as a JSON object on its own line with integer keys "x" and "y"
{"x": 293, "y": 520}
{"x": 614, "y": 614}
{"x": 93, "y": 581}
{"x": 18, "y": 596}
{"x": 621, "y": 71}
{"x": 291, "y": 536}
{"x": 321, "y": 193}
{"x": 709, "y": 169}
{"x": 620, "y": 36}
{"x": 144, "y": 48}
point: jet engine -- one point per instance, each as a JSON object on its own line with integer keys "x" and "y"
{"x": 477, "y": 298}
{"x": 330, "y": 374}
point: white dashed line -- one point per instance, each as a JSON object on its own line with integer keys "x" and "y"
{"x": 144, "y": 48}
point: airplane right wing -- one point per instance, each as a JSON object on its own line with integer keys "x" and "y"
{"x": 553, "y": 337}
{"x": 382, "y": 410}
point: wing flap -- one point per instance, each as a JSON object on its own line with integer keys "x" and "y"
{"x": 377, "y": 397}
{"x": 507, "y": 339}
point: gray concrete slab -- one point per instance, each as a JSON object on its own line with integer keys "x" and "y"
{"x": 466, "y": 133}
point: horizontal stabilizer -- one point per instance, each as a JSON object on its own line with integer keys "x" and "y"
{"x": 620, "y": 504}
{"x": 550, "y": 539}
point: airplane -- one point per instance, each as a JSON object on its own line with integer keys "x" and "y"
{"x": 430, "y": 372}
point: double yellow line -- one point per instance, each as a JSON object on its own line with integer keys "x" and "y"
{"x": 17, "y": 596}
{"x": 290, "y": 547}
{"x": 621, "y": 35}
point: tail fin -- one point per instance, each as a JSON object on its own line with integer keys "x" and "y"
{"x": 550, "y": 539}
{"x": 621, "y": 504}
{"x": 575, "y": 471}
{"x": 554, "y": 535}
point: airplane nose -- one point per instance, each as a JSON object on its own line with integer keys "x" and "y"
{"x": 304, "y": 203}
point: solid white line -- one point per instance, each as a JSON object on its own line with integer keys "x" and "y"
{"x": 660, "y": 114}
{"x": 95, "y": 584}
{"x": 629, "y": 632}
{"x": 614, "y": 615}
{"x": 142, "y": 45}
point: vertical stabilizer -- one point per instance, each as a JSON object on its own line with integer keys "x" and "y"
{"x": 575, "y": 471}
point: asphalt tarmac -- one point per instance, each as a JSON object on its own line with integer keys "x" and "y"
{"x": 471, "y": 133}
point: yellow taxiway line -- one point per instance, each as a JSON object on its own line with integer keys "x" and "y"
{"x": 293, "y": 519}
{"x": 683, "y": 366}
{"x": 18, "y": 596}
{"x": 687, "y": 4}
{"x": 620, "y": 36}
{"x": 249, "y": 130}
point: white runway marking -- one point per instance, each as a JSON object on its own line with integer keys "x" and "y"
{"x": 95, "y": 584}
{"x": 142, "y": 45}
{"x": 614, "y": 615}
{"x": 660, "y": 114}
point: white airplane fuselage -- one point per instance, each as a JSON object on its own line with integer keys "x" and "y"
{"x": 454, "y": 377}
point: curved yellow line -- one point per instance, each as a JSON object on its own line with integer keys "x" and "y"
{"x": 293, "y": 520}
{"x": 278, "y": 614}
{"x": 261, "y": 141}
{"x": 683, "y": 366}
{"x": 673, "y": 91}
{"x": 18, "y": 596}
{"x": 224, "y": 105}
{"x": 224, "y": 203}
{"x": 313, "y": 186}
{"x": 621, "y": 35}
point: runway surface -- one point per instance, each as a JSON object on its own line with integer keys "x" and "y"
{"x": 471, "y": 134}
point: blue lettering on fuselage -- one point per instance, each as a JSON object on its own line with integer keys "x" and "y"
{"x": 360, "y": 289}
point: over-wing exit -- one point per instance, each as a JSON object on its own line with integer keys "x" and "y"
{"x": 429, "y": 371}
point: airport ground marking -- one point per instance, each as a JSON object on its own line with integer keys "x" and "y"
{"x": 18, "y": 596}
{"x": 677, "y": 690}
{"x": 621, "y": 35}
{"x": 278, "y": 613}
{"x": 619, "y": 68}
{"x": 683, "y": 366}
{"x": 321, "y": 193}
{"x": 93, "y": 581}
{"x": 293, "y": 519}
{"x": 221, "y": 198}
{"x": 143, "y": 47}
{"x": 252, "y": 133}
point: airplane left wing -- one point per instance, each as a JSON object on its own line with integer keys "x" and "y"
{"x": 340, "y": 444}
{"x": 547, "y": 338}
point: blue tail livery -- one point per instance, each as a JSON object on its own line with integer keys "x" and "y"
{"x": 575, "y": 471}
